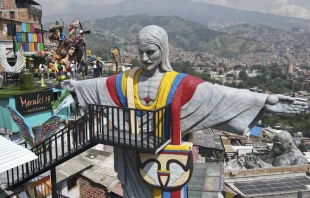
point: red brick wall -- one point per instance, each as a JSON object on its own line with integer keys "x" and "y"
{"x": 89, "y": 189}
{"x": 267, "y": 171}
{"x": 21, "y": 14}
{"x": 8, "y": 4}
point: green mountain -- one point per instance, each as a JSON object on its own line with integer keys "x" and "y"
{"x": 122, "y": 31}
{"x": 258, "y": 33}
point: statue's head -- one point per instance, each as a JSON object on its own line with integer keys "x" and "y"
{"x": 67, "y": 48}
{"x": 153, "y": 48}
{"x": 282, "y": 142}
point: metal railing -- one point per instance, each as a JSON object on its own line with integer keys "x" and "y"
{"x": 150, "y": 133}
{"x": 101, "y": 124}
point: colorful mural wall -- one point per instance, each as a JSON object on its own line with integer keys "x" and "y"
{"x": 28, "y": 39}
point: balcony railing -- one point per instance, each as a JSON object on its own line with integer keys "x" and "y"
{"x": 143, "y": 136}
{"x": 102, "y": 124}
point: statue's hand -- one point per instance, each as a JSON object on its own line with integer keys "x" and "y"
{"x": 252, "y": 162}
{"x": 69, "y": 85}
{"x": 285, "y": 104}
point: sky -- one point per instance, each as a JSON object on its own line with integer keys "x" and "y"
{"x": 292, "y": 8}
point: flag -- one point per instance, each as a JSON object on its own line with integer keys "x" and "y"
{"x": 64, "y": 101}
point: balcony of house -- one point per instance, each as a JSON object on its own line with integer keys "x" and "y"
{"x": 33, "y": 6}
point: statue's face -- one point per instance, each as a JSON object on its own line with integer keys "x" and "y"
{"x": 71, "y": 51}
{"x": 279, "y": 147}
{"x": 150, "y": 55}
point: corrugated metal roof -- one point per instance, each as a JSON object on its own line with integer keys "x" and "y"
{"x": 207, "y": 139}
{"x": 207, "y": 180}
{"x": 256, "y": 131}
{"x": 13, "y": 155}
{"x": 72, "y": 167}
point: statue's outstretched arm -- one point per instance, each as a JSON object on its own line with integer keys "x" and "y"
{"x": 69, "y": 85}
{"x": 91, "y": 91}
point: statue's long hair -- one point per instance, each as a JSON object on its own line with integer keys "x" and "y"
{"x": 154, "y": 34}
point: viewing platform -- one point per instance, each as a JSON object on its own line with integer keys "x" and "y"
{"x": 102, "y": 124}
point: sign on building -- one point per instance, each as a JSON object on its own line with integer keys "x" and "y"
{"x": 34, "y": 102}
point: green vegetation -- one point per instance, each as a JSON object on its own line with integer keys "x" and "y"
{"x": 272, "y": 79}
{"x": 228, "y": 46}
{"x": 298, "y": 122}
{"x": 190, "y": 36}
{"x": 302, "y": 148}
{"x": 9, "y": 91}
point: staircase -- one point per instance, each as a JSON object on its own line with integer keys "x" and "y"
{"x": 92, "y": 129}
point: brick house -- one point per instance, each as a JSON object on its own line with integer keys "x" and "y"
{"x": 14, "y": 12}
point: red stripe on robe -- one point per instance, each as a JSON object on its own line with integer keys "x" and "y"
{"x": 182, "y": 95}
{"x": 111, "y": 86}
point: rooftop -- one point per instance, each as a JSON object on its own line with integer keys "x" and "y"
{"x": 207, "y": 179}
{"x": 206, "y": 138}
{"x": 269, "y": 182}
{"x": 72, "y": 167}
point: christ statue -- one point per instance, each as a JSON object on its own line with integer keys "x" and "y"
{"x": 201, "y": 104}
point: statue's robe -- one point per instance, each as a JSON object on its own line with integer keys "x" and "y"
{"x": 203, "y": 105}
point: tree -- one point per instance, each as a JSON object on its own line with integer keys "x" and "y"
{"x": 253, "y": 82}
{"x": 302, "y": 148}
{"x": 242, "y": 85}
{"x": 135, "y": 62}
{"x": 243, "y": 75}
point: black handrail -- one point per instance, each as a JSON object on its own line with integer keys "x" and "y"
{"x": 90, "y": 130}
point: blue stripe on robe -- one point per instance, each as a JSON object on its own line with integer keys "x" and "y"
{"x": 119, "y": 90}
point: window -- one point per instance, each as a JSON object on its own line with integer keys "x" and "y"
{"x": 71, "y": 182}
{"x": 34, "y": 17}
{"x": 1, "y": 4}
{"x": 0, "y": 14}
{"x": 10, "y": 29}
{"x": 12, "y": 15}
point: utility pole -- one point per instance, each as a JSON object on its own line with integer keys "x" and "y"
{"x": 54, "y": 184}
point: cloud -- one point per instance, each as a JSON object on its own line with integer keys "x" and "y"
{"x": 59, "y": 6}
{"x": 291, "y": 8}
{"x": 217, "y": 2}
{"x": 284, "y": 8}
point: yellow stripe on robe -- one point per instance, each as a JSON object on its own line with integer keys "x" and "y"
{"x": 162, "y": 93}
{"x": 161, "y": 98}
{"x": 124, "y": 82}
{"x": 157, "y": 193}
{"x": 178, "y": 147}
